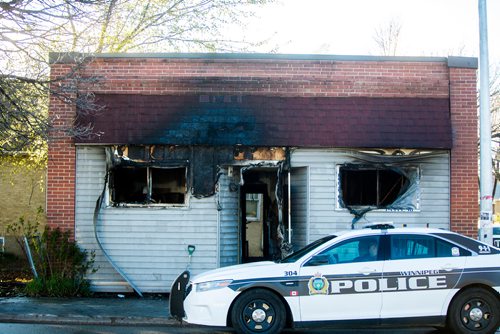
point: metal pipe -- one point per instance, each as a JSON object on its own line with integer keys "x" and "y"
{"x": 486, "y": 180}
{"x": 30, "y": 257}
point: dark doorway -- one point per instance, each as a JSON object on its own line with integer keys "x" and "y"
{"x": 259, "y": 216}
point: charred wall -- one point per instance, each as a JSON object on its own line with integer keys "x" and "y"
{"x": 202, "y": 162}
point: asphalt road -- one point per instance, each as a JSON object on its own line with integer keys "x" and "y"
{"x": 12, "y": 328}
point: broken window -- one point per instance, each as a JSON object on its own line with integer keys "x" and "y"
{"x": 168, "y": 185}
{"x": 378, "y": 186}
{"x": 147, "y": 185}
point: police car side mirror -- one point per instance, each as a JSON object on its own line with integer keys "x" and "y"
{"x": 318, "y": 260}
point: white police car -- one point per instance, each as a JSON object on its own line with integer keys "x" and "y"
{"x": 373, "y": 277}
{"x": 496, "y": 236}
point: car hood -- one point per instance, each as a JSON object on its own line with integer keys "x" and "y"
{"x": 247, "y": 270}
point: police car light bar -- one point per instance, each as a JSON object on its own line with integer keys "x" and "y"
{"x": 380, "y": 225}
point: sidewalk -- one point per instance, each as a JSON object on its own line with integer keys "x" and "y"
{"x": 130, "y": 310}
{"x": 105, "y": 311}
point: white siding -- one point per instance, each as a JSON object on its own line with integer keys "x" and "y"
{"x": 325, "y": 218}
{"x": 299, "y": 204}
{"x": 148, "y": 244}
{"x": 229, "y": 220}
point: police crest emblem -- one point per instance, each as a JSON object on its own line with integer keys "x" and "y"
{"x": 318, "y": 285}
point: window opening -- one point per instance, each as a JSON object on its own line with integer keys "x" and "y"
{"x": 362, "y": 249}
{"x": 362, "y": 188}
{"x": 129, "y": 185}
{"x": 371, "y": 187}
{"x": 147, "y": 185}
{"x": 253, "y": 206}
{"x": 168, "y": 185}
{"x": 419, "y": 246}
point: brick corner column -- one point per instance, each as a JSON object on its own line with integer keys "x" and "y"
{"x": 464, "y": 188}
{"x": 61, "y": 171}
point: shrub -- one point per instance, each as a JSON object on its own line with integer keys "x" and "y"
{"x": 59, "y": 263}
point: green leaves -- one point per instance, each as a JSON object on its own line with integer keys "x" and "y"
{"x": 60, "y": 264}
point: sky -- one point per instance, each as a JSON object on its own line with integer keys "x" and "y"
{"x": 347, "y": 27}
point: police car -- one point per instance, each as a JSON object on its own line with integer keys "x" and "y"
{"x": 496, "y": 235}
{"x": 366, "y": 277}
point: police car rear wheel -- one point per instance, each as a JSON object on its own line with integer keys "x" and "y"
{"x": 474, "y": 311}
{"x": 258, "y": 311}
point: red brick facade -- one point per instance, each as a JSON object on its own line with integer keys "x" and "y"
{"x": 278, "y": 76}
{"x": 464, "y": 155}
{"x": 62, "y": 155}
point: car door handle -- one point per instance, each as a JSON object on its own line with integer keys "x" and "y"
{"x": 367, "y": 271}
{"x": 449, "y": 267}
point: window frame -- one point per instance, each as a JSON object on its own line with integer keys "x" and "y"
{"x": 250, "y": 217}
{"x": 340, "y": 206}
{"x": 149, "y": 186}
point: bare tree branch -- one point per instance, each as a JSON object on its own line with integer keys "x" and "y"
{"x": 30, "y": 29}
{"x": 387, "y": 38}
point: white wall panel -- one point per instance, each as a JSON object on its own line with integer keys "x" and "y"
{"x": 299, "y": 204}
{"x": 229, "y": 220}
{"x": 326, "y": 218}
{"x": 148, "y": 244}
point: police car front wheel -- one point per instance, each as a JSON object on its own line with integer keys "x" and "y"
{"x": 258, "y": 311}
{"x": 474, "y": 310}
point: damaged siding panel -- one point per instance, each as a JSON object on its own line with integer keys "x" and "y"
{"x": 149, "y": 245}
{"x": 325, "y": 216}
{"x": 229, "y": 220}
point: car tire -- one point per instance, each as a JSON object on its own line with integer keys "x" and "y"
{"x": 474, "y": 310}
{"x": 258, "y": 311}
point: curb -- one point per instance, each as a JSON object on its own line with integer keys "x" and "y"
{"x": 86, "y": 320}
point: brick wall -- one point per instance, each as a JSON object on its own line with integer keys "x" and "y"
{"x": 270, "y": 77}
{"x": 464, "y": 202}
{"x": 278, "y": 77}
{"x": 62, "y": 152}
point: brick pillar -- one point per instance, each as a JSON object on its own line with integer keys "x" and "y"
{"x": 61, "y": 154}
{"x": 464, "y": 201}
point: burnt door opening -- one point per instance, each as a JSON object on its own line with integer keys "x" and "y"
{"x": 259, "y": 237}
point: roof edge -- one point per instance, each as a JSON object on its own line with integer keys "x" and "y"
{"x": 72, "y": 57}
{"x": 462, "y": 62}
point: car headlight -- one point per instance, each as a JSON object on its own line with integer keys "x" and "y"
{"x": 212, "y": 285}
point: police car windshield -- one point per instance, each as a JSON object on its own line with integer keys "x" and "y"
{"x": 301, "y": 252}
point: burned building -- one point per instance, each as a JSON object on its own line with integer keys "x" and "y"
{"x": 208, "y": 160}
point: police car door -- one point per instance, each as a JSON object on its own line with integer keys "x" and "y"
{"x": 418, "y": 275}
{"x": 342, "y": 282}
